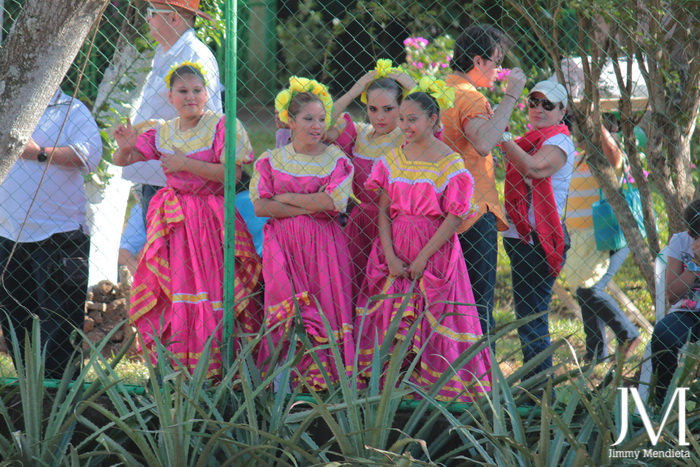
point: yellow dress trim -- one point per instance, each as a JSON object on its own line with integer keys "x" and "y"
{"x": 438, "y": 174}
{"x": 190, "y": 141}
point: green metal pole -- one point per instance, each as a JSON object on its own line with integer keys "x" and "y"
{"x": 230, "y": 73}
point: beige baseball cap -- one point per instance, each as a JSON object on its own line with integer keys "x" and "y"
{"x": 553, "y": 91}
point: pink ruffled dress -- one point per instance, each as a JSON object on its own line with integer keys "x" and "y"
{"x": 306, "y": 260}
{"x": 178, "y": 285}
{"x": 422, "y": 194}
{"x": 364, "y": 149}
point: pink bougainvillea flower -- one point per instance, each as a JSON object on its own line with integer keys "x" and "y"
{"x": 503, "y": 74}
{"x": 417, "y": 64}
{"x": 631, "y": 178}
{"x": 422, "y": 41}
{"x": 417, "y": 42}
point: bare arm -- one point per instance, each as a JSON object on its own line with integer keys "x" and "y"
{"x": 342, "y": 103}
{"x": 404, "y": 79}
{"x": 396, "y": 266}
{"x": 444, "y": 233}
{"x": 611, "y": 149}
{"x": 128, "y": 259}
{"x": 544, "y": 163}
{"x": 273, "y": 208}
{"x": 58, "y": 155}
{"x": 126, "y": 154}
{"x": 678, "y": 279}
{"x": 312, "y": 202}
{"x": 484, "y": 134}
{"x": 178, "y": 162}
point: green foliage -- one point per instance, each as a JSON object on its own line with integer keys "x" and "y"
{"x": 249, "y": 419}
{"x": 303, "y": 38}
{"x": 212, "y": 33}
{"x": 39, "y": 424}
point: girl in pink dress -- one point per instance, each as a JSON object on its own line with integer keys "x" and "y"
{"x": 425, "y": 192}
{"x": 302, "y": 187}
{"x": 178, "y": 285}
{"x": 382, "y": 90}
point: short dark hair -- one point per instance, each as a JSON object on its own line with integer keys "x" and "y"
{"x": 691, "y": 215}
{"x": 480, "y": 39}
{"x": 184, "y": 70}
{"x": 387, "y": 84}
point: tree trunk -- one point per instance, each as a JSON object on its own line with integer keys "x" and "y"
{"x": 37, "y": 52}
{"x": 608, "y": 179}
{"x": 662, "y": 36}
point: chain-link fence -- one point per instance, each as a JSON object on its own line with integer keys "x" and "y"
{"x": 453, "y": 190}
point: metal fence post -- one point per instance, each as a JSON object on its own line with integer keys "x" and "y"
{"x": 230, "y": 72}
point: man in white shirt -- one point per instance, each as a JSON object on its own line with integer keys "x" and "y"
{"x": 171, "y": 23}
{"x": 44, "y": 243}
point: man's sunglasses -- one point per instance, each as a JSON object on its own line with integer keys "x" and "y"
{"x": 150, "y": 12}
{"x": 533, "y": 102}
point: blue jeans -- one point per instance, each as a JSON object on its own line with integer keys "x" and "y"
{"x": 532, "y": 292}
{"x": 670, "y": 335}
{"x": 599, "y": 309}
{"x": 49, "y": 279}
{"x": 480, "y": 250}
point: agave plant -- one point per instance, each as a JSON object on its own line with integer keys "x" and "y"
{"x": 250, "y": 418}
{"x": 184, "y": 419}
{"x": 376, "y": 426}
{"x": 583, "y": 431}
{"x": 40, "y": 418}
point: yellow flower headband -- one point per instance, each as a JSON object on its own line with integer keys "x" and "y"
{"x": 196, "y": 65}
{"x": 438, "y": 90}
{"x": 384, "y": 68}
{"x": 297, "y": 85}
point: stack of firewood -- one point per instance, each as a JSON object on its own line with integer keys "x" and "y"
{"x": 107, "y": 306}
